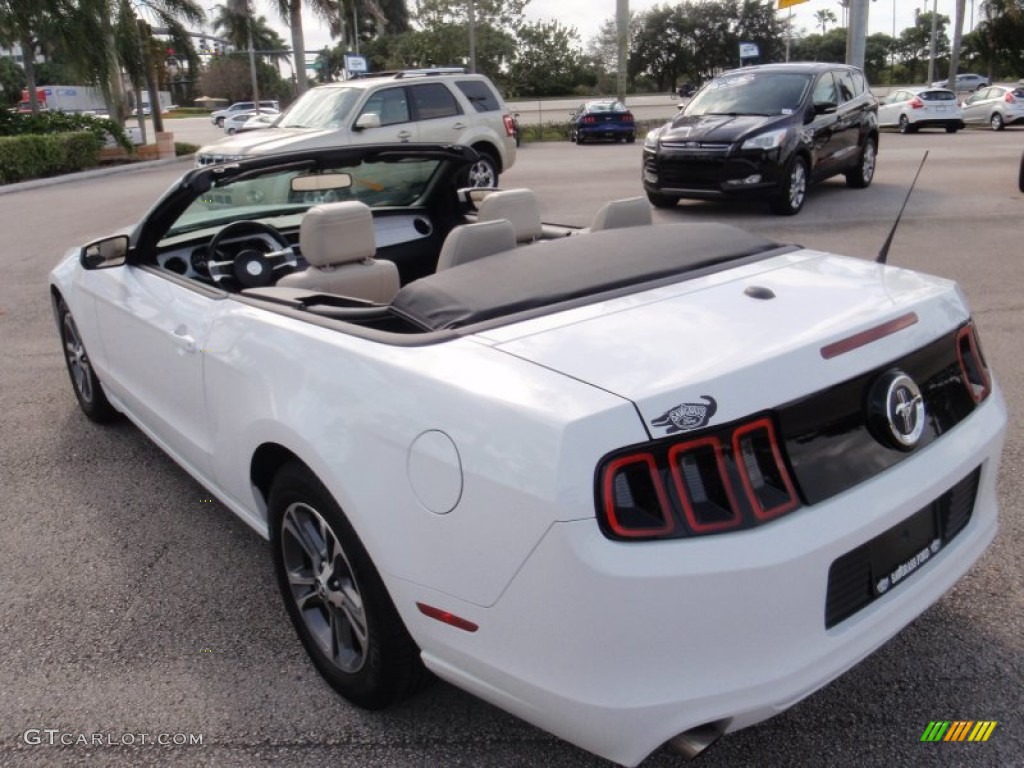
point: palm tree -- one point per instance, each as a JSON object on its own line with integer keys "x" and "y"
{"x": 30, "y": 24}
{"x": 291, "y": 13}
{"x": 234, "y": 27}
{"x": 825, "y": 17}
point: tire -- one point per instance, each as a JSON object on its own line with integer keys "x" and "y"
{"x": 791, "y": 197}
{"x": 631, "y": 139}
{"x": 862, "y": 174}
{"x": 87, "y": 387}
{"x": 662, "y": 201}
{"x": 484, "y": 172}
{"x": 905, "y": 126}
{"x": 220, "y": 122}
{"x": 579, "y": 138}
{"x": 349, "y": 626}
{"x": 952, "y": 129}
{"x": 1020, "y": 177}
{"x": 996, "y": 122}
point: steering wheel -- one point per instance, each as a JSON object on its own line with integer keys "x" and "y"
{"x": 250, "y": 267}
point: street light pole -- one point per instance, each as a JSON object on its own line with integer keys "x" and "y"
{"x": 931, "y": 55}
{"x": 472, "y": 36}
{"x": 622, "y": 24}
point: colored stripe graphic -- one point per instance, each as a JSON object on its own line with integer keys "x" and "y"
{"x": 982, "y": 730}
{"x": 959, "y": 730}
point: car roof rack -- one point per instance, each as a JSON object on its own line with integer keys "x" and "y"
{"x": 399, "y": 74}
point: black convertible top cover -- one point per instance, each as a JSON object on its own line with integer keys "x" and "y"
{"x": 550, "y": 272}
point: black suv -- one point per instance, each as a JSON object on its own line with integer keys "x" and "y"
{"x": 766, "y": 131}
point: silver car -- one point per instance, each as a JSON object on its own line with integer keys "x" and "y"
{"x": 964, "y": 82}
{"x": 911, "y": 109}
{"x": 997, "y": 105}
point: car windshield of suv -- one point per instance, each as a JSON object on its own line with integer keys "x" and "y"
{"x": 321, "y": 108}
{"x": 751, "y": 93}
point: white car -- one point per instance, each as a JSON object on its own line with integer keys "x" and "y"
{"x": 997, "y": 106}
{"x": 637, "y": 485}
{"x": 240, "y": 122}
{"x": 911, "y": 109}
{"x": 217, "y": 117}
{"x": 964, "y": 82}
{"x": 433, "y": 105}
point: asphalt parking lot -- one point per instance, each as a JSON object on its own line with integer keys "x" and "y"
{"x": 136, "y": 609}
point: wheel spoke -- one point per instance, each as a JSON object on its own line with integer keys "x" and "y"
{"x": 298, "y": 533}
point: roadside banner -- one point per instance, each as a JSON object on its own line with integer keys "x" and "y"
{"x": 789, "y": 3}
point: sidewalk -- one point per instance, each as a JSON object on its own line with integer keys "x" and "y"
{"x": 92, "y": 173}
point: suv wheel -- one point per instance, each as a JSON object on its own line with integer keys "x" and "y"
{"x": 794, "y": 189}
{"x": 862, "y": 173}
{"x": 483, "y": 173}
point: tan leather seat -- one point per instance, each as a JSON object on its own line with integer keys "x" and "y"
{"x": 474, "y": 241}
{"x": 518, "y": 206}
{"x": 337, "y": 240}
{"x": 630, "y": 212}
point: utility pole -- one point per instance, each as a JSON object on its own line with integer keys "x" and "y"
{"x": 472, "y": 37}
{"x": 857, "y": 33}
{"x": 931, "y": 55}
{"x": 622, "y": 25}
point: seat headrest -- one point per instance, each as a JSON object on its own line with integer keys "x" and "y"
{"x": 337, "y": 233}
{"x": 631, "y": 212}
{"x": 519, "y": 206}
{"x": 474, "y": 241}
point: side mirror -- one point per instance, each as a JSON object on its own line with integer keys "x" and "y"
{"x": 367, "y": 120}
{"x": 108, "y": 252}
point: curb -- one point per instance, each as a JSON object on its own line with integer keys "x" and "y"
{"x": 91, "y": 174}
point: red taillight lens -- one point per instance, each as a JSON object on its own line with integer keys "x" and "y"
{"x": 635, "y": 504}
{"x": 1009, "y": 98}
{"x": 765, "y": 479}
{"x": 732, "y": 479}
{"x": 510, "y": 125}
{"x": 916, "y": 103}
{"x": 627, "y": 118}
{"x": 589, "y": 119}
{"x": 972, "y": 363}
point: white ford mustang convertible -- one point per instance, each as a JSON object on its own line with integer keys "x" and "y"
{"x": 636, "y": 484}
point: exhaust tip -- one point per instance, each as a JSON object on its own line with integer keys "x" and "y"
{"x": 691, "y": 743}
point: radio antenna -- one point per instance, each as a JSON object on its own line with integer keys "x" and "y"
{"x": 884, "y": 253}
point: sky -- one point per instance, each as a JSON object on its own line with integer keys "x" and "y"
{"x": 588, "y": 15}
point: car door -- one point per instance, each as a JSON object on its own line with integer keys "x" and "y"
{"x": 889, "y": 108}
{"x": 825, "y": 141}
{"x": 391, "y": 105}
{"x": 974, "y": 106}
{"x": 438, "y": 115}
{"x": 153, "y": 327}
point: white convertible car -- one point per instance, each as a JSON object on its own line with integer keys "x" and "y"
{"x": 636, "y": 484}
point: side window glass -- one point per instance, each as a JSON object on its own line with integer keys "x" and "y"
{"x": 859, "y": 83}
{"x": 825, "y": 90}
{"x": 480, "y": 95}
{"x": 433, "y": 101}
{"x": 390, "y": 105}
{"x": 847, "y": 88}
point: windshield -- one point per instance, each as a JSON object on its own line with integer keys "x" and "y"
{"x": 268, "y": 194}
{"x": 751, "y": 93}
{"x": 321, "y": 108}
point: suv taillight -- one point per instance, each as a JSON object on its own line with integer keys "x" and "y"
{"x": 729, "y": 479}
{"x": 510, "y": 125}
{"x": 972, "y": 363}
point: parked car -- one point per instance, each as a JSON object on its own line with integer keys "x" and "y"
{"x": 964, "y": 82}
{"x": 219, "y": 116}
{"x": 251, "y": 120}
{"x": 997, "y": 105}
{"x": 432, "y": 105}
{"x": 505, "y": 471}
{"x": 602, "y": 119}
{"x": 911, "y": 109}
{"x": 765, "y": 131}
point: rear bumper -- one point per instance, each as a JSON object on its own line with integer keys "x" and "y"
{"x": 618, "y": 647}
{"x": 622, "y": 131}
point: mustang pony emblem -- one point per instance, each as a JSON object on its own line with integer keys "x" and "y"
{"x": 687, "y": 416}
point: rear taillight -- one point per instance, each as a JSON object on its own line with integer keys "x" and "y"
{"x": 916, "y": 103}
{"x": 972, "y": 363}
{"x": 510, "y": 125}
{"x": 627, "y": 118}
{"x": 589, "y": 119}
{"x": 733, "y": 478}
{"x": 1009, "y": 98}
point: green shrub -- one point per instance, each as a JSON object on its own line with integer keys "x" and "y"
{"x": 181, "y": 148}
{"x": 31, "y": 156}
{"x": 45, "y": 123}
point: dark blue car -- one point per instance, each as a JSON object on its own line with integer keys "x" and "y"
{"x": 602, "y": 119}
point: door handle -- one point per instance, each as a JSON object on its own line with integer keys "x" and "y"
{"x": 459, "y": 126}
{"x": 404, "y": 135}
{"x": 186, "y": 343}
